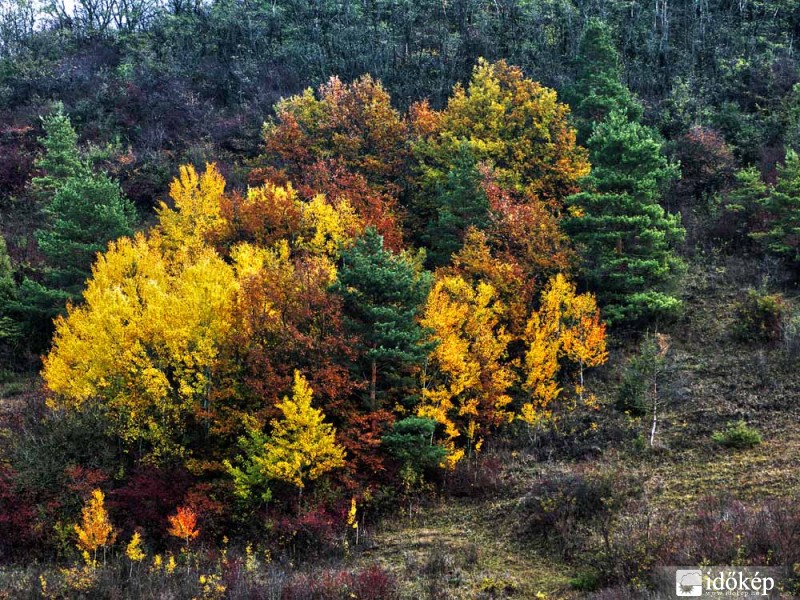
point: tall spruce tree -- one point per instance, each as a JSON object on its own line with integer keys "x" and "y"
{"x": 61, "y": 159}
{"x": 383, "y": 294}
{"x": 626, "y": 238}
{"x": 599, "y": 89}
{"x": 82, "y": 211}
{"x": 85, "y": 213}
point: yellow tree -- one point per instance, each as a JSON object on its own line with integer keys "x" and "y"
{"x": 567, "y": 325}
{"x": 541, "y": 368}
{"x": 197, "y": 217}
{"x": 467, "y": 392}
{"x": 325, "y": 228}
{"x": 511, "y": 122}
{"x": 134, "y": 551}
{"x": 301, "y": 447}
{"x": 95, "y": 530}
{"x": 584, "y": 340}
{"x": 145, "y": 342}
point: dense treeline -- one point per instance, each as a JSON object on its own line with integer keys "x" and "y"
{"x": 199, "y": 77}
{"x": 189, "y": 333}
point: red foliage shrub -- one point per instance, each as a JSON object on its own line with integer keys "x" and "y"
{"x": 707, "y": 165}
{"x": 312, "y": 533}
{"x": 82, "y": 481}
{"x": 147, "y": 498}
{"x": 18, "y": 532}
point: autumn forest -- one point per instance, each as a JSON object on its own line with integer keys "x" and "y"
{"x": 396, "y": 300}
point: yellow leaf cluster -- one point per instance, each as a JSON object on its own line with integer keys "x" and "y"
{"x": 95, "y": 529}
{"x": 567, "y": 325}
{"x": 134, "y": 550}
{"x": 327, "y": 228}
{"x": 145, "y": 340}
{"x": 468, "y": 391}
{"x": 196, "y": 218}
{"x": 351, "y": 514}
{"x": 517, "y": 125}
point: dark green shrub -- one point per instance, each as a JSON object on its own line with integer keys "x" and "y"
{"x": 631, "y": 397}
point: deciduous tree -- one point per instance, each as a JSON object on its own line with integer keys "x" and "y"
{"x": 466, "y": 387}
{"x": 95, "y": 529}
{"x": 300, "y": 448}
{"x": 566, "y": 325}
{"x": 511, "y": 122}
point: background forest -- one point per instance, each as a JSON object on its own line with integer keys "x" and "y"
{"x": 395, "y": 299}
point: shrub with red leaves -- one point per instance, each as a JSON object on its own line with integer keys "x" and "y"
{"x": 18, "y": 533}
{"x": 312, "y": 533}
{"x": 147, "y": 498}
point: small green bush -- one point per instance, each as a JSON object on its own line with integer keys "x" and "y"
{"x": 737, "y": 435}
{"x": 585, "y": 581}
{"x": 759, "y": 317}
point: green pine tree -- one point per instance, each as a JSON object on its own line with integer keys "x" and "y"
{"x": 782, "y": 207}
{"x": 739, "y": 208}
{"x": 411, "y": 442}
{"x": 83, "y": 216}
{"x": 82, "y": 211}
{"x": 382, "y": 294}
{"x": 61, "y": 159}
{"x": 460, "y": 203}
{"x": 10, "y": 331}
{"x": 626, "y": 238}
{"x": 598, "y": 88}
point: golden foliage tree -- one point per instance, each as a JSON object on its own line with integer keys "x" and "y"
{"x": 511, "y": 122}
{"x": 468, "y": 391}
{"x": 302, "y": 446}
{"x": 567, "y": 325}
{"x": 95, "y": 529}
{"x": 197, "y": 216}
{"x": 145, "y": 341}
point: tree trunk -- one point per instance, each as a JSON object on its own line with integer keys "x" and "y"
{"x": 299, "y": 500}
{"x": 372, "y": 383}
{"x": 655, "y": 414}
